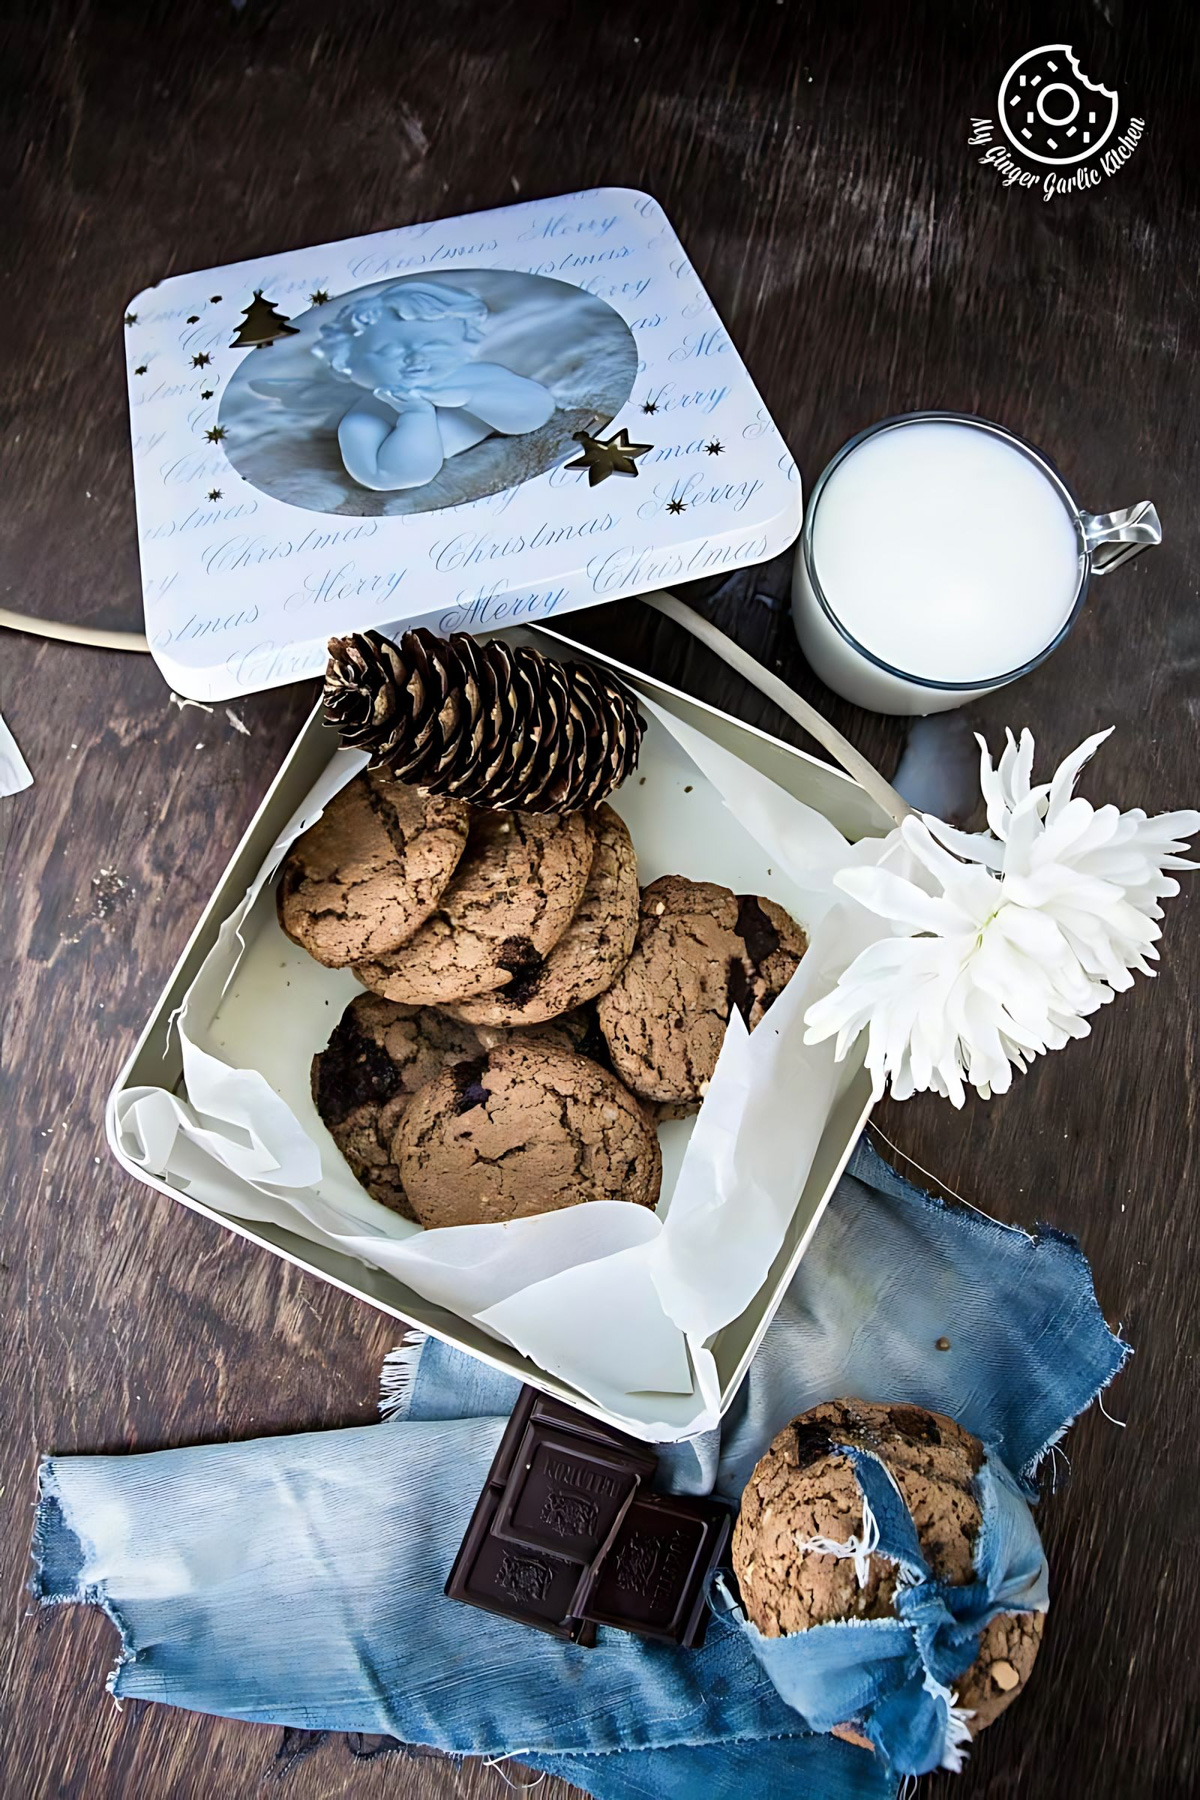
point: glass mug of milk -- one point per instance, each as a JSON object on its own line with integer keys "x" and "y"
{"x": 941, "y": 557}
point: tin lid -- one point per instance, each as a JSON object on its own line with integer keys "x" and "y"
{"x": 464, "y": 424}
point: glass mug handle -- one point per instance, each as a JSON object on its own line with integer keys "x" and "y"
{"x": 1112, "y": 538}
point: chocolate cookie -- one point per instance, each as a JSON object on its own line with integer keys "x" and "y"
{"x": 701, "y": 950}
{"x": 523, "y": 1129}
{"x": 579, "y": 1031}
{"x": 595, "y": 946}
{"x": 512, "y": 897}
{"x": 803, "y": 1494}
{"x": 371, "y": 870}
{"x": 379, "y": 1056}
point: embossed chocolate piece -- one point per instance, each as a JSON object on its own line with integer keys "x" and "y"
{"x": 523, "y": 1584}
{"x": 654, "y": 1578}
{"x": 566, "y": 1493}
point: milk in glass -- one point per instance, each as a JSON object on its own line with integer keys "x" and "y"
{"x": 944, "y": 552}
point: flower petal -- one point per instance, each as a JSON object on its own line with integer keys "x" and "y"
{"x": 898, "y": 900}
{"x": 1062, "y": 784}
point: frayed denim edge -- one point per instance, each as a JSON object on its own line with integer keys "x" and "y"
{"x": 50, "y": 1494}
{"x": 398, "y": 1377}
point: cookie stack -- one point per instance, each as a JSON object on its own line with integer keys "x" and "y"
{"x": 802, "y": 1500}
{"x": 529, "y": 1014}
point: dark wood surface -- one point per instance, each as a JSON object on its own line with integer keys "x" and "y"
{"x": 814, "y": 161}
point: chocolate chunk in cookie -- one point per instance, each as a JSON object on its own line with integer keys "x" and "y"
{"x": 522, "y": 1129}
{"x": 379, "y": 1056}
{"x": 592, "y": 950}
{"x": 371, "y": 870}
{"x": 513, "y": 896}
{"x": 701, "y": 952}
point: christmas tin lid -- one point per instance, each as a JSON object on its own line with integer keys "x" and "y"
{"x": 465, "y": 424}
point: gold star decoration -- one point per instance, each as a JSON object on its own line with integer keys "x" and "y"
{"x": 318, "y": 297}
{"x": 206, "y": 393}
{"x": 649, "y": 406}
{"x": 131, "y": 318}
{"x": 714, "y": 447}
{"x": 676, "y": 505}
{"x": 214, "y": 493}
{"x": 215, "y": 433}
{"x": 603, "y": 457}
{"x": 141, "y": 369}
{"x": 201, "y": 359}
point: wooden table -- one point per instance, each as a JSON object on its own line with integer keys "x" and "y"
{"x": 814, "y": 160}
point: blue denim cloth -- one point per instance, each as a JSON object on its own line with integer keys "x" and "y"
{"x": 299, "y": 1580}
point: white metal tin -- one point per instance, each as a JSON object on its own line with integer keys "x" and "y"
{"x": 307, "y": 460}
{"x": 155, "y": 1059}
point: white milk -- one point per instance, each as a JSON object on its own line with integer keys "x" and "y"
{"x": 945, "y": 552}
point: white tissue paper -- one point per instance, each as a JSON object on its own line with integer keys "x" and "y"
{"x": 14, "y": 770}
{"x": 612, "y": 1298}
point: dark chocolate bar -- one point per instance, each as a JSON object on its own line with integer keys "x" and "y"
{"x": 566, "y": 1492}
{"x": 521, "y": 1583}
{"x": 653, "y": 1579}
{"x": 566, "y": 1537}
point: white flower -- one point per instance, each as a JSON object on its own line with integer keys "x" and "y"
{"x": 1004, "y": 942}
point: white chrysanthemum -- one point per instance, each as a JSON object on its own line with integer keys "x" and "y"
{"x": 1004, "y": 942}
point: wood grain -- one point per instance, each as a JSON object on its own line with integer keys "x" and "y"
{"x": 814, "y": 161}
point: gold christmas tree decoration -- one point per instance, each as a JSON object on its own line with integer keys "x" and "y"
{"x": 603, "y": 457}
{"x": 261, "y": 324}
{"x": 491, "y": 723}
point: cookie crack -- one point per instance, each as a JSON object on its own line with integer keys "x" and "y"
{"x": 494, "y": 1162}
{"x": 388, "y": 817}
{"x": 573, "y": 1136}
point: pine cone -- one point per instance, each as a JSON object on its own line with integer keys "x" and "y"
{"x": 490, "y": 723}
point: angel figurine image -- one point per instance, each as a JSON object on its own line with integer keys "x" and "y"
{"x": 412, "y": 349}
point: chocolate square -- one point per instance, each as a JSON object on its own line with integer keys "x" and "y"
{"x": 519, "y": 1582}
{"x": 653, "y": 1579}
{"x": 566, "y": 1492}
{"x": 533, "y": 1404}
{"x": 565, "y": 1418}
